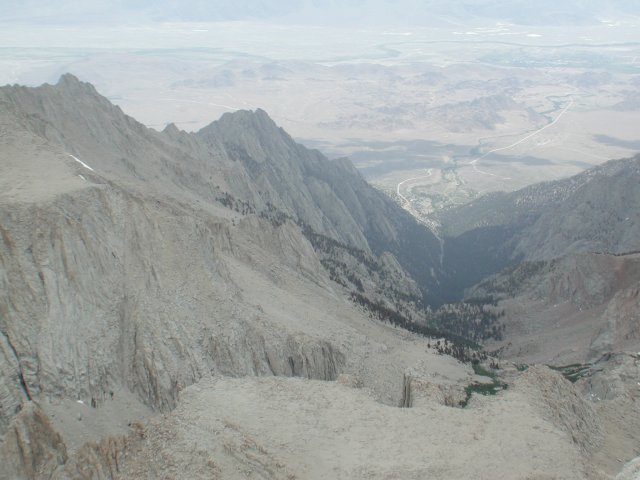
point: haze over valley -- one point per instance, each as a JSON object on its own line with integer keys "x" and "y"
{"x": 310, "y": 239}
{"x": 435, "y": 104}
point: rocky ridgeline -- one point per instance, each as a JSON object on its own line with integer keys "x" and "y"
{"x": 141, "y": 260}
{"x": 135, "y": 263}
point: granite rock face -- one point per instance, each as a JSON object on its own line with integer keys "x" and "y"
{"x": 244, "y": 157}
{"x": 31, "y": 448}
{"x": 140, "y": 261}
{"x": 119, "y": 245}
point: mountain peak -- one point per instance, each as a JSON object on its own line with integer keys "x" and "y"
{"x": 68, "y": 78}
{"x": 171, "y": 129}
{"x": 254, "y": 132}
{"x": 70, "y": 83}
{"x": 258, "y": 119}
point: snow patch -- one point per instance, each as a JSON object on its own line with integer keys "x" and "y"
{"x": 81, "y": 163}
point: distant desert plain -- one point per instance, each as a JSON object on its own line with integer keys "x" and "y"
{"x": 433, "y": 116}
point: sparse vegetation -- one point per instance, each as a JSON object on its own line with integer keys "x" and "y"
{"x": 327, "y": 245}
{"x": 473, "y": 320}
{"x": 492, "y": 388}
{"x": 458, "y": 347}
{"x": 478, "y": 369}
{"x": 463, "y": 325}
{"x": 510, "y": 281}
{"x": 573, "y": 372}
{"x": 240, "y": 206}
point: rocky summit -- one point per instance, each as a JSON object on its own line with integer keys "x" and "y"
{"x": 230, "y": 304}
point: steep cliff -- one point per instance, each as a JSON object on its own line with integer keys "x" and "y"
{"x": 243, "y": 157}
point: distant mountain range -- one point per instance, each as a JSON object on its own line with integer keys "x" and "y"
{"x": 333, "y": 12}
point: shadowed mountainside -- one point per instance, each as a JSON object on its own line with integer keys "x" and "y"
{"x": 594, "y": 211}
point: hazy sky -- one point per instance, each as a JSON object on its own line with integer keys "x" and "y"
{"x": 338, "y": 12}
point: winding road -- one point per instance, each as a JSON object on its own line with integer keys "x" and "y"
{"x": 533, "y": 134}
{"x": 474, "y": 162}
{"x": 405, "y": 199}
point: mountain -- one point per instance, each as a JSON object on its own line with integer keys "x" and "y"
{"x": 334, "y": 200}
{"x": 555, "y": 264}
{"x": 226, "y": 304}
{"x": 258, "y": 166}
{"x": 595, "y": 211}
{"x": 134, "y": 263}
{"x": 107, "y": 219}
{"x": 570, "y": 293}
{"x": 568, "y": 310}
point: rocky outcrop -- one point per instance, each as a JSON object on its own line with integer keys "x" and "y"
{"x": 13, "y": 387}
{"x": 631, "y": 470}
{"x": 103, "y": 460}
{"x": 244, "y": 157}
{"x": 622, "y": 328}
{"x": 612, "y": 377}
{"x": 131, "y": 265}
{"x": 127, "y": 262}
{"x": 112, "y": 289}
{"x": 31, "y": 449}
{"x": 560, "y": 402}
{"x": 251, "y": 349}
{"x": 331, "y": 197}
{"x": 82, "y": 272}
{"x": 611, "y": 386}
{"x": 143, "y": 262}
{"x": 421, "y": 391}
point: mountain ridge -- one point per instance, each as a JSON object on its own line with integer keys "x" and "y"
{"x": 106, "y": 169}
{"x": 146, "y": 276}
{"x": 350, "y": 210}
{"x": 594, "y": 211}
